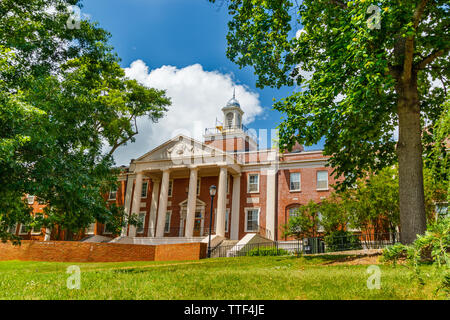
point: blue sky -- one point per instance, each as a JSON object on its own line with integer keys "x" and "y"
{"x": 179, "y": 33}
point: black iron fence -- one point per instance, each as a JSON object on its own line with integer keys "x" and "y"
{"x": 308, "y": 245}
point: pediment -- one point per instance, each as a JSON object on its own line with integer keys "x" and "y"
{"x": 181, "y": 147}
{"x": 198, "y": 203}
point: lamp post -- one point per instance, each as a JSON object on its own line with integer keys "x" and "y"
{"x": 212, "y": 193}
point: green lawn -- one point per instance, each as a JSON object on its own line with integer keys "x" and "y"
{"x": 221, "y": 278}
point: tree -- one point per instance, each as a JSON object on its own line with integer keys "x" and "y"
{"x": 334, "y": 214}
{"x": 304, "y": 222}
{"x": 372, "y": 69}
{"x": 66, "y": 106}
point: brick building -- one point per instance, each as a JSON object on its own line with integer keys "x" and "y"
{"x": 257, "y": 188}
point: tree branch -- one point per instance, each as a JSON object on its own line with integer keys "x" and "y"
{"x": 339, "y": 3}
{"x": 428, "y": 59}
{"x": 118, "y": 144}
{"x": 409, "y": 43}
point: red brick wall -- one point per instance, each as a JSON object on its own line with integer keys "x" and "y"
{"x": 288, "y": 199}
{"x": 70, "y": 251}
{"x": 182, "y": 251}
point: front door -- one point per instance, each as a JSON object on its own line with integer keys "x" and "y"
{"x": 197, "y": 224}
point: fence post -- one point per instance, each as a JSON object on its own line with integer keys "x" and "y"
{"x": 298, "y": 247}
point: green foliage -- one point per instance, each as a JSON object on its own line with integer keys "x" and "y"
{"x": 395, "y": 252}
{"x": 432, "y": 246}
{"x": 357, "y": 83}
{"x": 342, "y": 240}
{"x": 63, "y": 95}
{"x": 304, "y": 222}
{"x": 267, "y": 251}
{"x": 352, "y": 94}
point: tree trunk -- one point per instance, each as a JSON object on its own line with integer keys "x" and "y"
{"x": 409, "y": 152}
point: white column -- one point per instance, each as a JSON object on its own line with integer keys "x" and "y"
{"x": 270, "y": 203}
{"x": 136, "y": 201}
{"x": 162, "y": 210}
{"x": 234, "y": 230}
{"x": 128, "y": 201}
{"x": 153, "y": 208}
{"x": 192, "y": 199}
{"x": 221, "y": 202}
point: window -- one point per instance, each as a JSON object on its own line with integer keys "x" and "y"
{"x": 227, "y": 219}
{"x": 169, "y": 192}
{"x": 36, "y": 230}
{"x": 144, "y": 189}
{"x": 292, "y": 214}
{"x": 167, "y": 226}
{"x": 23, "y": 229}
{"x": 107, "y": 229}
{"x": 253, "y": 182}
{"x": 251, "y": 220}
{"x": 13, "y": 229}
{"x": 319, "y": 221}
{"x": 30, "y": 199}
{"x": 198, "y": 186}
{"x": 112, "y": 195}
{"x": 230, "y": 120}
{"x": 322, "y": 180}
{"x": 441, "y": 210}
{"x": 141, "y": 219}
{"x": 294, "y": 181}
{"x": 91, "y": 229}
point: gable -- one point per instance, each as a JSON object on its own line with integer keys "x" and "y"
{"x": 182, "y": 147}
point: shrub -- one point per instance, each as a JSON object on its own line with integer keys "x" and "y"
{"x": 394, "y": 253}
{"x": 342, "y": 240}
{"x": 433, "y": 246}
{"x": 267, "y": 251}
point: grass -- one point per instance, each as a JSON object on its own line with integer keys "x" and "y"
{"x": 220, "y": 278}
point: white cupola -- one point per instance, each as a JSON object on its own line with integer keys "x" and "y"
{"x": 232, "y": 114}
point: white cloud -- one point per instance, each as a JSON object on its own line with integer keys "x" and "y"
{"x": 197, "y": 99}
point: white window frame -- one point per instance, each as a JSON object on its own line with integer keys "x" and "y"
{"x": 87, "y": 231}
{"x": 317, "y": 180}
{"x": 30, "y": 199}
{"x": 319, "y": 222}
{"x": 299, "y": 181}
{"x": 144, "y": 213}
{"x": 246, "y": 218}
{"x": 144, "y": 189}
{"x": 168, "y": 219}
{"x": 38, "y": 232}
{"x": 20, "y": 230}
{"x": 104, "y": 230}
{"x": 227, "y": 219}
{"x": 170, "y": 188}
{"x": 14, "y": 229}
{"x": 248, "y": 183}
{"x": 112, "y": 192}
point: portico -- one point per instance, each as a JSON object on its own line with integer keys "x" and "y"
{"x": 182, "y": 159}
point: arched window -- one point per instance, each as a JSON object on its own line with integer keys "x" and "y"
{"x": 239, "y": 121}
